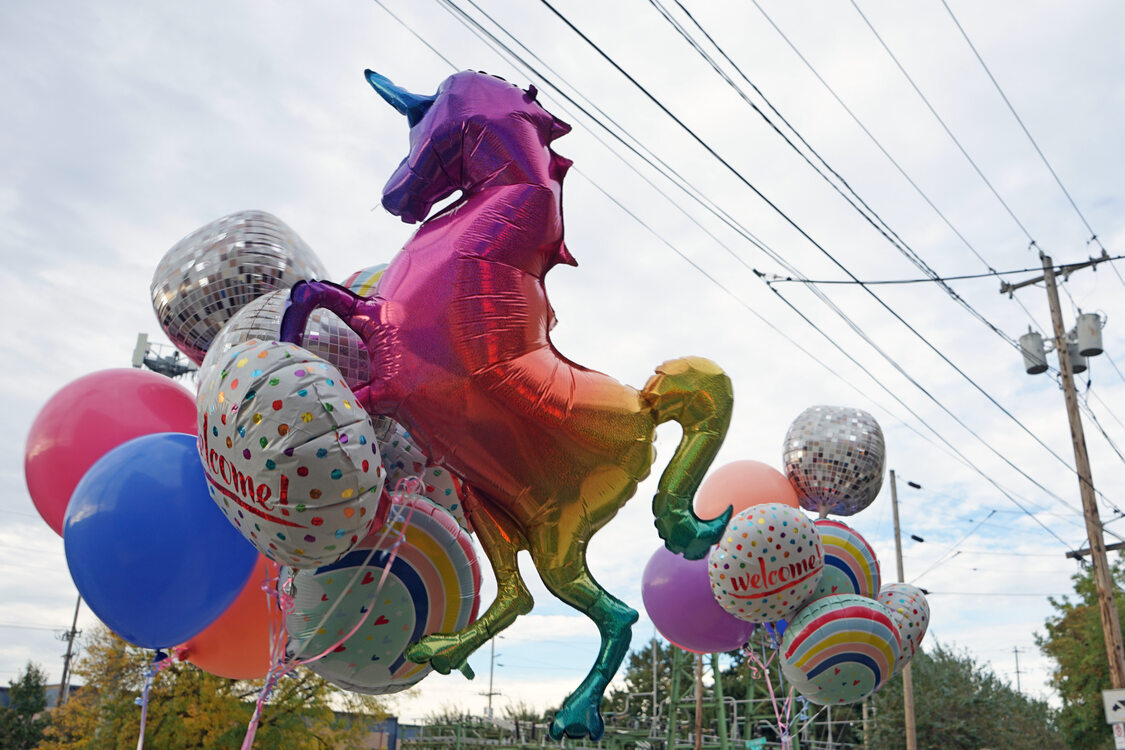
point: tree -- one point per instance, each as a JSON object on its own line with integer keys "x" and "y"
{"x": 1075, "y": 642}
{"x": 960, "y": 705}
{"x": 23, "y": 721}
{"x": 189, "y": 708}
{"x": 635, "y": 699}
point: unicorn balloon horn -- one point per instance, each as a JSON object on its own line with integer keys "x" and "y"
{"x": 411, "y": 105}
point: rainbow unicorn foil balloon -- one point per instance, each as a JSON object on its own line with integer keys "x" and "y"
{"x": 461, "y": 355}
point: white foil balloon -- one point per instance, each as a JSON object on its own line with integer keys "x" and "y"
{"x": 911, "y": 614}
{"x": 767, "y": 563}
{"x": 403, "y": 459}
{"x": 290, "y": 457}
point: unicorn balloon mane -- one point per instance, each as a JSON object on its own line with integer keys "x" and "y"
{"x": 458, "y": 334}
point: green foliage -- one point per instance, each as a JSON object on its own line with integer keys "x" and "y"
{"x": 189, "y": 708}
{"x": 1075, "y": 642}
{"x": 22, "y": 723}
{"x": 522, "y": 710}
{"x": 446, "y": 714}
{"x": 635, "y": 699}
{"x": 960, "y": 705}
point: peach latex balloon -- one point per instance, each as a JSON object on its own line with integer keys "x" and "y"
{"x": 237, "y": 645}
{"x": 741, "y": 484}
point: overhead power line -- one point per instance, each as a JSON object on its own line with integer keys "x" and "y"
{"x": 844, "y": 188}
{"x": 941, "y": 121}
{"x": 1023, "y": 127}
{"x": 774, "y": 278}
{"x": 800, "y": 230}
{"x": 945, "y": 556}
{"x": 475, "y": 26}
{"x": 1093, "y": 235}
{"x": 866, "y": 131}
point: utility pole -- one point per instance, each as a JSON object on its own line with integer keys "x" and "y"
{"x": 491, "y": 672}
{"x": 1107, "y": 608}
{"x": 699, "y": 702}
{"x": 907, "y": 679}
{"x": 722, "y": 709}
{"x": 674, "y": 697}
{"x": 655, "y": 696}
{"x": 1016, "y": 653}
{"x": 70, "y": 635}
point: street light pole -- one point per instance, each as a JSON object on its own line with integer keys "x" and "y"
{"x": 907, "y": 678}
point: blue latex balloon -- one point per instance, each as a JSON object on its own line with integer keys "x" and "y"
{"x": 150, "y": 552}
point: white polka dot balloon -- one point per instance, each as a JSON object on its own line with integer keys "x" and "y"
{"x": 767, "y": 563}
{"x": 403, "y": 459}
{"x": 911, "y": 614}
{"x": 290, "y": 457}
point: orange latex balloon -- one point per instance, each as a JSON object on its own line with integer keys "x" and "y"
{"x": 237, "y": 645}
{"x": 741, "y": 484}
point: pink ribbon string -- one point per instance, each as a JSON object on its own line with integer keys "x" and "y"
{"x": 282, "y": 663}
{"x": 760, "y": 666}
{"x": 159, "y": 661}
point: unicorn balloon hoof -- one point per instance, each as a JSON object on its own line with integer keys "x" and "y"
{"x": 682, "y": 532}
{"x": 461, "y": 356}
{"x": 444, "y": 652}
{"x": 577, "y": 722}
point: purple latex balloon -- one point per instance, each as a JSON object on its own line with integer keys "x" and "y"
{"x": 677, "y": 596}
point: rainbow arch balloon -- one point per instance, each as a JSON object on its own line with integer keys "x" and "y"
{"x": 366, "y": 281}
{"x": 840, "y": 649}
{"x": 432, "y": 586}
{"x": 850, "y": 565}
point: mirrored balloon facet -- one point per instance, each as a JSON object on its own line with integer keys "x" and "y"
{"x": 835, "y": 458}
{"x": 211, "y": 274}
{"x": 326, "y": 336}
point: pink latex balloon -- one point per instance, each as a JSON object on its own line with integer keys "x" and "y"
{"x": 89, "y": 417}
{"x": 741, "y": 484}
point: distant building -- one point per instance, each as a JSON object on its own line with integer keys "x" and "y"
{"x": 382, "y": 735}
{"x": 52, "y": 694}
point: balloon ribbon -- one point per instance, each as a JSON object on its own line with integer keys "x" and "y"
{"x": 282, "y": 664}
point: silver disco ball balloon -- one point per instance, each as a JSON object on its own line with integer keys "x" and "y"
{"x": 835, "y": 458}
{"x": 216, "y": 270}
{"x": 325, "y": 336}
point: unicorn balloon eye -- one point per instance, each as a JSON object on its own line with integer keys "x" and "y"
{"x": 547, "y": 451}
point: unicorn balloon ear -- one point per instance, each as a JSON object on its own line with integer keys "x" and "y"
{"x": 411, "y": 105}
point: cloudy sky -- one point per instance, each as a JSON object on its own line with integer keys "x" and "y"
{"x": 129, "y": 125}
